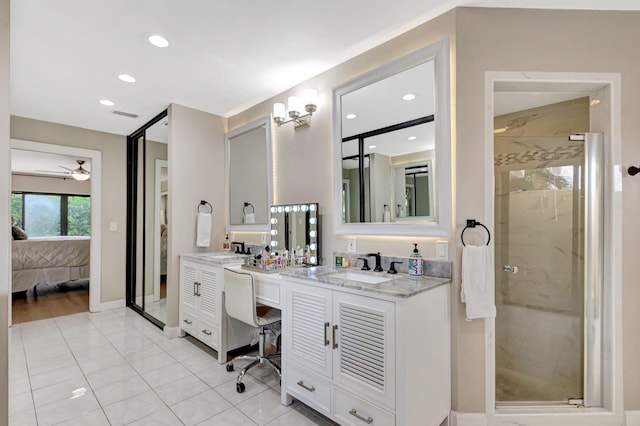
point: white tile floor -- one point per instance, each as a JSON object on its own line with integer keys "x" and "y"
{"x": 116, "y": 368}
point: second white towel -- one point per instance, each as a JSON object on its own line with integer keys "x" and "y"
{"x": 203, "y": 230}
{"x": 477, "y": 289}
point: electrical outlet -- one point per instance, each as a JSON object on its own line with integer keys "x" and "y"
{"x": 232, "y": 236}
{"x": 351, "y": 245}
{"x": 113, "y": 226}
{"x": 263, "y": 238}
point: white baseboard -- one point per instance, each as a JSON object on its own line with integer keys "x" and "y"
{"x": 632, "y": 418}
{"x": 172, "y": 332}
{"x": 468, "y": 419}
{"x": 115, "y": 304}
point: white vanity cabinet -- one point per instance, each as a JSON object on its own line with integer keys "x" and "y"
{"x": 201, "y": 289}
{"x": 367, "y": 358}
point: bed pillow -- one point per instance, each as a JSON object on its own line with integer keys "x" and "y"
{"x": 18, "y": 233}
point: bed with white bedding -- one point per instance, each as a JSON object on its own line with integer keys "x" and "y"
{"x": 49, "y": 260}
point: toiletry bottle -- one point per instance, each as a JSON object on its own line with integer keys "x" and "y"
{"x": 415, "y": 262}
{"x": 386, "y": 215}
{"x": 226, "y": 244}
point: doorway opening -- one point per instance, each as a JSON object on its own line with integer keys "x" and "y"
{"x": 55, "y": 270}
{"x": 551, "y": 199}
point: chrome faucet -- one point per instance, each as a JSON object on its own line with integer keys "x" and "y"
{"x": 378, "y": 267}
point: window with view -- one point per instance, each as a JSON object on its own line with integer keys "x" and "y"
{"x": 45, "y": 215}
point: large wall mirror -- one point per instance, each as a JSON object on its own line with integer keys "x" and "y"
{"x": 249, "y": 176}
{"x": 392, "y": 150}
{"x": 295, "y": 227}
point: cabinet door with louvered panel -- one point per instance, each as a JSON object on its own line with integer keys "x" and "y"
{"x": 189, "y": 286}
{"x": 309, "y": 316}
{"x": 208, "y": 291}
{"x": 364, "y": 359}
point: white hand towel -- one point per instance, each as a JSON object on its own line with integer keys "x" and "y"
{"x": 477, "y": 289}
{"x": 249, "y": 218}
{"x": 203, "y": 230}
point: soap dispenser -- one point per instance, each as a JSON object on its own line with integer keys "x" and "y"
{"x": 415, "y": 262}
{"x": 226, "y": 244}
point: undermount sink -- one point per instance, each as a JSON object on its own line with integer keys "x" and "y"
{"x": 361, "y": 277}
{"x": 219, "y": 256}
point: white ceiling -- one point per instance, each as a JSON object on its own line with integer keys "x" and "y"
{"x": 224, "y": 56}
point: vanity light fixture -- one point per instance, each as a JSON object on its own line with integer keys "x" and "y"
{"x": 294, "y": 110}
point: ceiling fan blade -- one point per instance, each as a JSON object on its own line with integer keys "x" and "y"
{"x": 66, "y": 168}
{"x": 52, "y": 171}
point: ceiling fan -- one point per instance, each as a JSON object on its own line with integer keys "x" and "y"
{"x": 80, "y": 173}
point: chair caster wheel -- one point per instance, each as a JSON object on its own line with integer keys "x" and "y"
{"x": 230, "y": 367}
{"x": 240, "y": 387}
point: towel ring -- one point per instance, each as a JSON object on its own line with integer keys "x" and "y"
{"x": 472, "y": 223}
{"x": 205, "y": 203}
{"x": 248, "y": 205}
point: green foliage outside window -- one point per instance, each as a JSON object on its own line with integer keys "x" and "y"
{"x": 79, "y": 216}
{"x": 51, "y": 214}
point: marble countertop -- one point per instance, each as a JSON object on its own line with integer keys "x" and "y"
{"x": 221, "y": 258}
{"x": 399, "y": 285}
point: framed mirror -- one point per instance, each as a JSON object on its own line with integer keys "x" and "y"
{"x": 249, "y": 176}
{"x": 392, "y": 149}
{"x": 295, "y": 227}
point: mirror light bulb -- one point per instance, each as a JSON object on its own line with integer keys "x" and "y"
{"x": 273, "y": 209}
{"x": 287, "y": 209}
{"x": 312, "y": 247}
{"x": 274, "y": 220}
{"x": 274, "y": 232}
{"x": 274, "y": 243}
{"x": 280, "y": 209}
{"x": 313, "y": 221}
{"x": 313, "y": 207}
{"x": 296, "y": 208}
{"x": 304, "y": 208}
{"x": 313, "y": 234}
{"x": 312, "y": 259}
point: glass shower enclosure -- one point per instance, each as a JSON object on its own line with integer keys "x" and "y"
{"x": 548, "y": 230}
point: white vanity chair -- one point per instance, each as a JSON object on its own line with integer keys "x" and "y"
{"x": 240, "y": 303}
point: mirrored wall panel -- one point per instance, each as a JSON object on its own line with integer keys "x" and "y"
{"x": 295, "y": 228}
{"x": 147, "y": 219}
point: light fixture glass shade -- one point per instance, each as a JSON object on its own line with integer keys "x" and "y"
{"x": 309, "y": 96}
{"x": 295, "y": 105}
{"x": 80, "y": 174}
{"x": 278, "y": 111}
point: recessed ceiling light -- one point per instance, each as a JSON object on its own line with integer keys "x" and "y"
{"x": 372, "y": 147}
{"x": 412, "y": 138}
{"x": 106, "y": 102}
{"x": 350, "y": 116}
{"x": 158, "y": 41}
{"x": 127, "y": 78}
{"x": 409, "y": 97}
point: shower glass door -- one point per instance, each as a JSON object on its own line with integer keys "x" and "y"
{"x": 547, "y": 221}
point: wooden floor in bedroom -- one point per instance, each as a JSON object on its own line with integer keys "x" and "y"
{"x": 51, "y": 301}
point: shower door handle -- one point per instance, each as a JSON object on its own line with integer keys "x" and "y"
{"x": 509, "y": 268}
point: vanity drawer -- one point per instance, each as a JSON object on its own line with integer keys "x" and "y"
{"x": 207, "y": 332}
{"x": 309, "y": 388}
{"x": 353, "y": 411}
{"x": 268, "y": 292}
{"x": 188, "y": 322}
